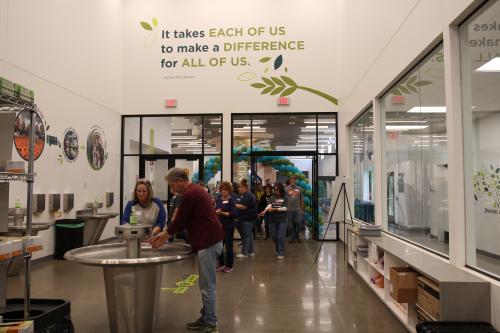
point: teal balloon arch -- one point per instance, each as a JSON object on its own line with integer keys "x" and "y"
{"x": 210, "y": 169}
{"x": 287, "y": 168}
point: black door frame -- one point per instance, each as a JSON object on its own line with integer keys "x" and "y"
{"x": 314, "y": 184}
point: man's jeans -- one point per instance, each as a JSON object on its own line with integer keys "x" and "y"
{"x": 294, "y": 224}
{"x": 207, "y": 262}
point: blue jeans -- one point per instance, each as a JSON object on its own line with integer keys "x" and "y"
{"x": 247, "y": 236}
{"x": 207, "y": 262}
{"x": 278, "y": 233}
{"x": 228, "y": 244}
{"x": 294, "y": 224}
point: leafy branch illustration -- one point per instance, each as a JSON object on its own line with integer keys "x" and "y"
{"x": 154, "y": 35}
{"x": 487, "y": 183}
{"x": 285, "y": 86}
{"x": 409, "y": 86}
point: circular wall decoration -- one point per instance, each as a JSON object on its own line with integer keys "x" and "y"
{"x": 96, "y": 148}
{"x": 70, "y": 145}
{"x": 22, "y": 129}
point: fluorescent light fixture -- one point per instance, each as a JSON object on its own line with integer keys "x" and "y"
{"x": 428, "y": 109}
{"x": 404, "y": 127}
{"x": 492, "y": 66}
{"x": 319, "y": 122}
{"x": 178, "y": 131}
{"x": 319, "y": 126}
{"x": 406, "y": 121}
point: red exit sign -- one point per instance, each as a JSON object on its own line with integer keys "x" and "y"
{"x": 283, "y": 100}
{"x": 171, "y": 103}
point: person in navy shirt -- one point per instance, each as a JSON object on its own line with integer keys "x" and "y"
{"x": 226, "y": 211}
{"x": 148, "y": 209}
{"x": 246, "y": 204}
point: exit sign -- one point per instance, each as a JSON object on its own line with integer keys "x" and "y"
{"x": 171, "y": 103}
{"x": 283, "y": 100}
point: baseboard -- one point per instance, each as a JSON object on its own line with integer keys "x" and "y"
{"x": 488, "y": 254}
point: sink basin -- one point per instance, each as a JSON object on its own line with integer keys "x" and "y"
{"x": 115, "y": 254}
{"x": 94, "y": 225}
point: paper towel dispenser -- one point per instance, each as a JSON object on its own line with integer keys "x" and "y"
{"x": 54, "y": 202}
{"x": 38, "y": 203}
{"x": 68, "y": 201}
{"x": 110, "y": 199}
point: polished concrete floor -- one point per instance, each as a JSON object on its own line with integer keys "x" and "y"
{"x": 260, "y": 295}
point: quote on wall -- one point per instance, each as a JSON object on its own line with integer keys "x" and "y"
{"x": 220, "y": 47}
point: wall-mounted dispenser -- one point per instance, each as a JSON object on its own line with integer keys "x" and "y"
{"x": 68, "y": 201}
{"x": 38, "y": 203}
{"x": 110, "y": 199}
{"x": 54, "y": 202}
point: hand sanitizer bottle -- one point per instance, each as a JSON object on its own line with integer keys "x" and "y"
{"x": 133, "y": 217}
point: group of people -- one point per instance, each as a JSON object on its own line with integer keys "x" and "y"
{"x": 210, "y": 223}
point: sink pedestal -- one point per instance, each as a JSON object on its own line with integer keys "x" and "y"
{"x": 132, "y": 295}
{"x": 94, "y": 225}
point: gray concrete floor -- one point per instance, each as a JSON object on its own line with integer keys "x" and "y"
{"x": 260, "y": 295}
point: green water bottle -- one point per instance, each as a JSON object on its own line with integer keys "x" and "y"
{"x": 133, "y": 216}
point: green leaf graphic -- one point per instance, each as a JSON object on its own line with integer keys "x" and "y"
{"x": 286, "y": 69}
{"x": 277, "y": 90}
{"x": 277, "y": 81}
{"x": 288, "y": 91}
{"x": 146, "y": 26}
{"x": 411, "y": 79}
{"x": 289, "y": 81}
{"x": 265, "y": 59}
{"x": 412, "y": 88}
{"x": 258, "y": 85}
{"x": 155, "y": 22}
{"x": 266, "y": 70}
{"x": 422, "y": 83}
{"x": 278, "y": 62}
{"x": 269, "y": 82}
{"x": 404, "y": 89}
{"x": 267, "y": 90}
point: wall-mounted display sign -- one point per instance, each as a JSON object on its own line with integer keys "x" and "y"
{"x": 70, "y": 145}
{"x": 22, "y": 128}
{"x": 96, "y": 148}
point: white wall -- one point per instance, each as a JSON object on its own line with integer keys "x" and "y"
{"x": 71, "y": 59}
{"x": 391, "y": 46}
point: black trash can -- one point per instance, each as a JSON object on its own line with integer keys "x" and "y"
{"x": 455, "y": 327}
{"x": 48, "y": 315}
{"x": 69, "y": 236}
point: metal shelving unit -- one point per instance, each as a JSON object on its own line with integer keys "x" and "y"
{"x": 13, "y": 104}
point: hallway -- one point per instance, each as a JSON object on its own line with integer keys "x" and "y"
{"x": 260, "y": 295}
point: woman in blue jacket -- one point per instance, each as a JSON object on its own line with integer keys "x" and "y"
{"x": 148, "y": 209}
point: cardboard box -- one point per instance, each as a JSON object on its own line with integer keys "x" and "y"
{"x": 403, "y": 284}
{"x": 428, "y": 297}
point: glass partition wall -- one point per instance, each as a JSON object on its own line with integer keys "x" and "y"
{"x": 273, "y": 147}
{"x": 416, "y": 155}
{"x": 480, "y": 72}
{"x": 151, "y": 144}
{"x": 361, "y": 135}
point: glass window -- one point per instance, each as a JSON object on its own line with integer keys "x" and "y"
{"x": 327, "y": 133}
{"x": 241, "y": 168}
{"x": 130, "y": 176}
{"x": 281, "y": 132}
{"x": 212, "y": 170}
{"x": 131, "y": 135}
{"x": 416, "y": 155}
{"x": 213, "y": 134}
{"x": 171, "y": 135}
{"x": 361, "y": 133}
{"x": 241, "y": 133}
{"x": 480, "y": 63}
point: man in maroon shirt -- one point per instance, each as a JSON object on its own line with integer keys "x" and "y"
{"x": 196, "y": 213}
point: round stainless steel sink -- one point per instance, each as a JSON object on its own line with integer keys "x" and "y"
{"x": 132, "y": 284}
{"x": 115, "y": 255}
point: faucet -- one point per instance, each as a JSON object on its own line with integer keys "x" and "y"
{"x": 132, "y": 234}
{"x": 94, "y": 205}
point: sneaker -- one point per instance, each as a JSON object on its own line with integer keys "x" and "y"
{"x": 207, "y": 328}
{"x": 281, "y": 257}
{"x": 228, "y": 269}
{"x": 241, "y": 255}
{"x": 252, "y": 254}
{"x": 196, "y": 325}
{"x": 220, "y": 268}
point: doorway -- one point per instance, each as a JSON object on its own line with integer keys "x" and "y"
{"x": 305, "y": 166}
{"x": 155, "y": 167}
